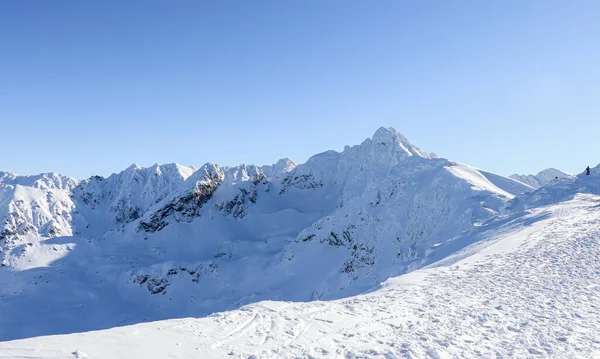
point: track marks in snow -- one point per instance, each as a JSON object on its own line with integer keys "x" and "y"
{"x": 238, "y": 331}
{"x": 538, "y": 298}
{"x": 243, "y": 326}
{"x": 528, "y": 292}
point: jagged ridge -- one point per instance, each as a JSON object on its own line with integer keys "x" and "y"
{"x": 356, "y": 217}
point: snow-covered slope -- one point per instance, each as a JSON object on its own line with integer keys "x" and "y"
{"x": 543, "y": 178}
{"x": 525, "y": 287}
{"x": 170, "y": 241}
{"x": 41, "y": 181}
{"x": 34, "y": 208}
{"x": 559, "y": 190}
{"x": 30, "y": 214}
{"x": 129, "y": 194}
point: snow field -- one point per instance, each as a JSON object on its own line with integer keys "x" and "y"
{"x": 527, "y": 290}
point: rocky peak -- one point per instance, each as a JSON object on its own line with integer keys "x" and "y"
{"x": 391, "y": 138}
{"x": 186, "y": 202}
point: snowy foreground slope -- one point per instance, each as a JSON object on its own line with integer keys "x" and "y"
{"x": 171, "y": 241}
{"x": 528, "y": 286}
{"x": 129, "y": 259}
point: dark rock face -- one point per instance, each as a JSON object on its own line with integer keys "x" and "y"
{"x": 186, "y": 204}
{"x": 129, "y": 194}
{"x": 128, "y": 214}
{"x": 249, "y": 181}
{"x": 238, "y": 206}
{"x": 304, "y": 181}
{"x": 90, "y": 191}
{"x": 158, "y": 283}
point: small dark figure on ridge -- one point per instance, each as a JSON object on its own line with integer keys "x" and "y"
{"x": 587, "y": 171}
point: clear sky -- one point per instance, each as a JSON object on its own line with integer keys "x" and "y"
{"x": 89, "y": 87}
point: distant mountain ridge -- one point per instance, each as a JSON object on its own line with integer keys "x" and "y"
{"x": 543, "y": 178}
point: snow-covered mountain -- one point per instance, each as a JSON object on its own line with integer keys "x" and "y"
{"x": 543, "y": 178}
{"x": 523, "y": 283}
{"x": 41, "y": 181}
{"x": 172, "y": 241}
{"x": 129, "y": 194}
{"x": 148, "y": 199}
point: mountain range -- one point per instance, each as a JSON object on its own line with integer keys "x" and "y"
{"x": 543, "y": 178}
{"x": 171, "y": 241}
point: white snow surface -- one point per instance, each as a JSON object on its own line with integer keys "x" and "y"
{"x": 528, "y": 287}
{"x": 118, "y": 264}
{"x": 42, "y": 181}
{"x": 543, "y": 178}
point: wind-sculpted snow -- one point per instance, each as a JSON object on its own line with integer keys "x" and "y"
{"x": 507, "y": 184}
{"x": 171, "y": 241}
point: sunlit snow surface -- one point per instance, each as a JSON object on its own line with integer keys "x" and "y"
{"x": 133, "y": 265}
{"x": 543, "y": 178}
{"x": 527, "y": 288}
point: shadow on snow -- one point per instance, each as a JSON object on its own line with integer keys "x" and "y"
{"x": 84, "y": 291}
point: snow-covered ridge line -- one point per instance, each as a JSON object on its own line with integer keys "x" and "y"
{"x": 43, "y": 181}
{"x": 543, "y": 178}
{"x": 167, "y": 241}
{"x": 145, "y": 197}
{"x": 559, "y": 190}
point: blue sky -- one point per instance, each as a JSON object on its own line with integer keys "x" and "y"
{"x": 91, "y": 87}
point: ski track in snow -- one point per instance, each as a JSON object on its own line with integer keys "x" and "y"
{"x": 532, "y": 292}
